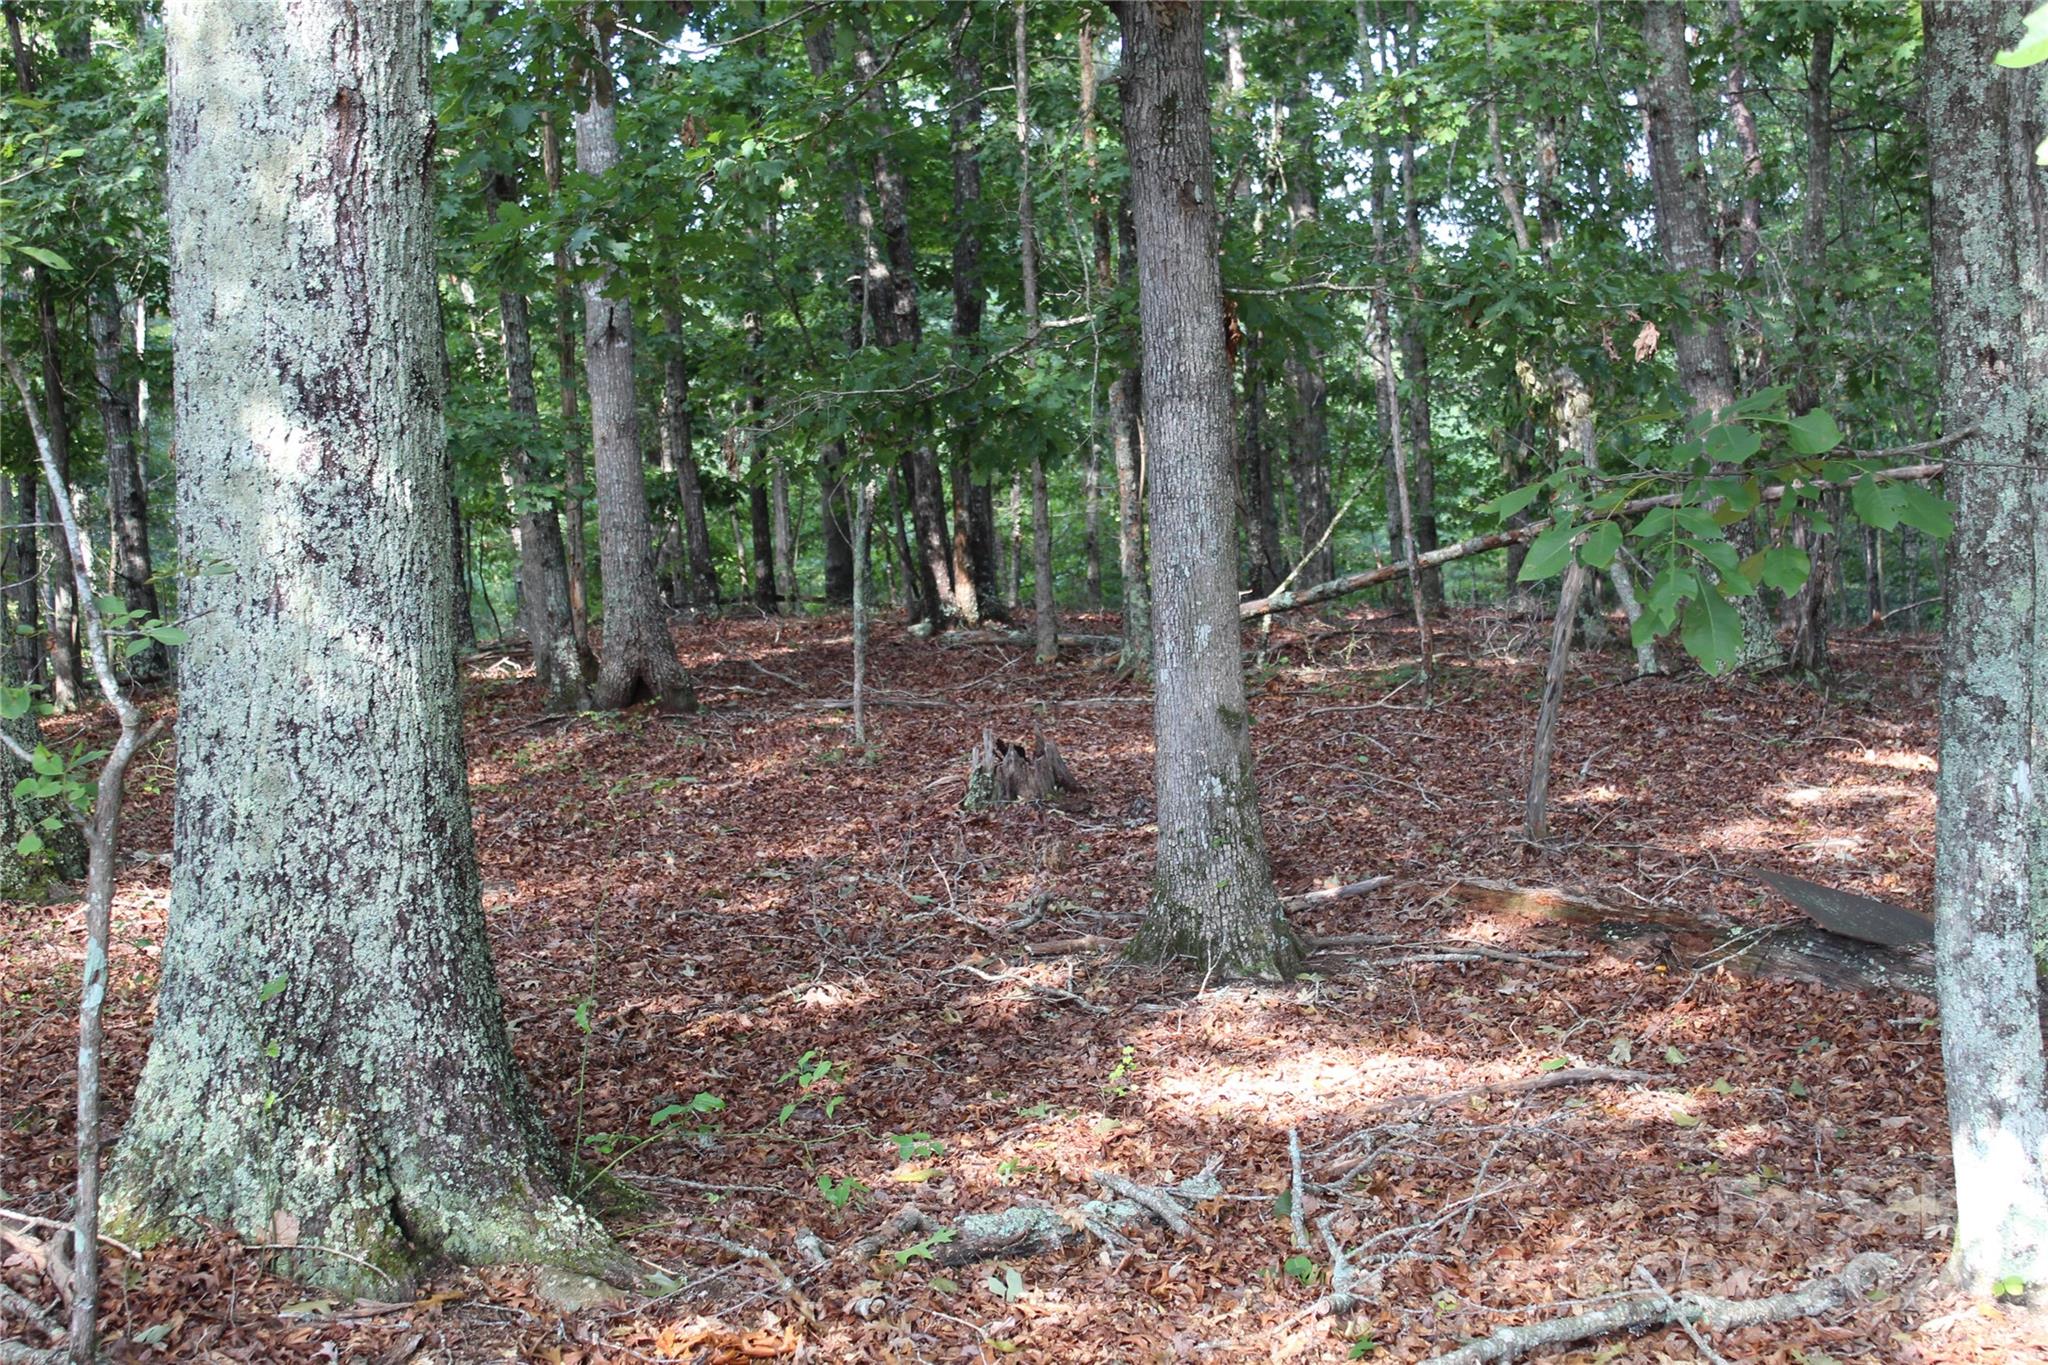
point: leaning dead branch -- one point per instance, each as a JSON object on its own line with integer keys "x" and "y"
{"x": 1494, "y": 540}
{"x": 1030, "y": 1230}
{"x": 1661, "y": 1309}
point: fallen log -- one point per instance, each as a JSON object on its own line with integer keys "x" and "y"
{"x": 1031, "y": 1229}
{"x": 1347, "y": 584}
{"x": 1658, "y": 1309}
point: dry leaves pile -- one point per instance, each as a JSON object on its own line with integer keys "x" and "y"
{"x": 746, "y": 906}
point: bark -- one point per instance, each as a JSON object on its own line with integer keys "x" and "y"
{"x": 1268, "y": 561}
{"x": 1990, "y": 286}
{"x": 842, "y": 560}
{"x": 1309, "y": 436}
{"x": 330, "y": 1069}
{"x": 639, "y": 661}
{"x": 835, "y": 526}
{"x": 1126, "y": 393}
{"x": 1013, "y": 560}
{"x": 893, "y": 304}
{"x": 1415, "y": 347}
{"x": 970, "y": 298}
{"x": 22, "y": 568}
{"x": 561, "y": 668}
{"x": 1678, "y": 182}
{"x": 700, "y": 574}
{"x": 1575, "y": 420}
{"x": 761, "y": 521}
{"x": 134, "y": 579}
{"x": 1749, "y": 223}
{"x": 565, "y": 364}
{"x": 1045, "y": 619}
{"x": 64, "y": 675}
{"x": 1104, "y": 282}
{"x": 459, "y": 600}
{"x": 782, "y": 535}
{"x": 1809, "y": 607}
{"x": 1213, "y": 899}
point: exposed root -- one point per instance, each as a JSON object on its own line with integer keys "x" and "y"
{"x": 1660, "y": 1309}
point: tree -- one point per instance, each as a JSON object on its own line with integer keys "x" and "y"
{"x": 1213, "y": 899}
{"x": 127, "y": 488}
{"x": 330, "y": 1071}
{"x": 1045, "y": 620}
{"x": 639, "y": 660}
{"x": 1991, "y": 920}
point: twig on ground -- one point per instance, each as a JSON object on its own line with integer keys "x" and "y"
{"x": 1707, "y": 1353}
{"x": 1158, "y": 1202}
{"x": 24, "y": 1306}
{"x": 1815, "y": 1297}
{"x": 1294, "y": 1201}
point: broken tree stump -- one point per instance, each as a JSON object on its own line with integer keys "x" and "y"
{"x": 1000, "y": 772}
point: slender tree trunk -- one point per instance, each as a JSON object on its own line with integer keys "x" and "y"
{"x": 1126, "y": 393}
{"x": 1104, "y": 282}
{"x": 639, "y": 660}
{"x": 459, "y": 598}
{"x": 1751, "y": 364}
{"x": 1045, "y": 617}
{"x": 678, "y": 456}
{"x": 1415, "y": 346}
{"x": 1213, "y": 899}
{"x": 20, "y": 571}
{"x": 1309, "y": 436}
{"x": 329, "y": 1072}
{"x": 970, "y": 298}
{"x": 565, "y": 360}
{"x": 1013, "y": 563}
{"x": 835, "y": 488}
{"x": 1268, "y": 559}
{"x": 782, "y": 535}
{"x": 127, "y": 489}
{"x": 1823, "y": 544}
{"x": 863, "y": 607}
{"x": 893, "y": 304}
{"x": 1678, "y": 184}
{"x": 562, "y": 669}
{"x": 1990, "y": 286}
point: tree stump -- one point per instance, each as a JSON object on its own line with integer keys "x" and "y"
{"x": 1000, "y": 771}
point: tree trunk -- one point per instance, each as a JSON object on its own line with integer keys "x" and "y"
{"x": 127, "y": 488}
{"x": 892, "y": 302}
{"x": 639, "y": 659}
{"x": 1678, "y": 185}
{"x": 760, "y": 516}
{"x": 1823, "y": 544}
{"x": 835, "y": 526}
{"x": 19, "y": 570}
{"x": 700, "y": 588}
{"x": 970, "y": 300}
{"x": 1126, "y": 393}
{"x": 1269, "y": 564}
{"x": 562, "y": 669}
{"x": 1104, "y": 282}
{"x": 1751, "y": 364}
{"x": 565, "y": 362}
{"x": 459, "y": 599}
{"x": 1045, "y": 617}
{"x": 782, "y": 536}
{"x": 1013, "y": 562}
{"x": 1213, "y": 899}
{"x": 329, "y": 1072}
{"x": 1309, "y": 436}
{"x": 1990, "y": 215}
{"x": 1415, "y": 346}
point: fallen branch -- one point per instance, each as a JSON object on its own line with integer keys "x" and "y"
{"x": 1332, "y": 893}
{"x": 1659, "y": 1309}
{"x": 1542, "y": 1080}
{"x": 1350, "y": 583}
{"x": 1032, "y": 1229}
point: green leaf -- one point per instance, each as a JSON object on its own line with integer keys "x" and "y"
{"x": 1711, "y": 631}
{"x": 1874, "y": 504}
{"x": 1507, "y": 504}
{"x": 272, "y": 989}
{"x": 167, "y": 635}
{"x": 1601, "y": 545}
{"x": 1548, "y": 554}
{"x": 2033, "y": 44}
{"x": 1731, "y": 443}
{"x": 14, "y": 702}
{"x": 1813, "y": 433}
{"x": 30, "y": 842}
{"x": 47, "y": 257}
{"x": 1552, "y": 1064}
{"x": 1783, "y": 567}
{"x": 1923, "y": 511}
{"x": 45, "y": 762}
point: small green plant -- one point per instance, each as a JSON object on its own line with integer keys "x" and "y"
{"x": 916, "y": 1146}
{"x": 616, "y": 1147}
{"x": 2010, "y": 1287}
{"x": 1300, "y": 1268}
{"x": 1362, "y": 1346}
{"x": 1006, "y": 1285}
{"x": 922, "y": 1251}
{"x": 1119, "y": 1075}
{"x": 839, "y": 1193}
{"x": 813, "y": 1069}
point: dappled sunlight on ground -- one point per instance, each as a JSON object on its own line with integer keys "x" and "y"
{"x": 746, "y": 905}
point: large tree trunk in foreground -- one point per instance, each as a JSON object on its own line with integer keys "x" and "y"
{"x": 330, "y": 1069}
{"x": 1678, "y": 179}
{"x": 544, "y": 612}
{"x": 1991, "y": 318}
{"x": 639, "y": 660}
{"x": 127, "y": 491}
{"x": 1213, "y": 899}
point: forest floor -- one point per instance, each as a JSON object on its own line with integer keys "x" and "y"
{"x": 742, "y": 901}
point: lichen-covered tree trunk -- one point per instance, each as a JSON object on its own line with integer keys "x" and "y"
{"x": 1213, "y": 899}
{"x": 330, "y": 1069}
{"x": 558, "y": 663}
{"x": 127, "y": 490}
{"x": 639, "y": 659}
{"x": 1990, "y": 278}
{"x": 1678, "y": 181}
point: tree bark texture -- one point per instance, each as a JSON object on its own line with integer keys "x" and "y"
{"x": 1213, "y": 899}
{"x": 330, "y": 1069}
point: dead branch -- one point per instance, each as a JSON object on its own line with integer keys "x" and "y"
{"x": 1029, "y": 1230}
{"x": 1332, "y": 893}
{"x": 1494, "y": 540}
{"x": 1815, "y": 1297}
{"x": 27, "y": 1308}
{"x": 1543, "y": 1080}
